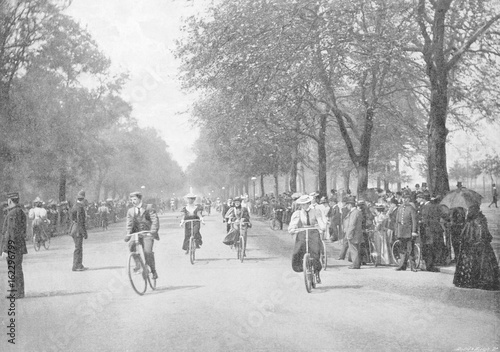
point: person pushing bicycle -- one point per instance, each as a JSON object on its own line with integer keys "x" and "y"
{"x": 143, "y": 218}
{"x": 306, "y": 217}
{"x": 191, "y": 212}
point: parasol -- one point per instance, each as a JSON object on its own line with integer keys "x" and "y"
{"x": 461, "y": 197}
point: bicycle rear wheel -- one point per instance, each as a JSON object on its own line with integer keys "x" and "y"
{"x": 396, "y": 252}
{"x": 192, "y": 249}
{"x": 373, "y": 254}
{"x": 46, "y": 243}
{"x": 138, "y": 278}
{"x": 36, "y": 242}
{"x": 324, "y": 256}
{"x": 308, "y": 275}
{"x": 151, "y": 281}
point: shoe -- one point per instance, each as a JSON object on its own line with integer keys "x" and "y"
{"x": 340, "y": 258}
{"x": 80, "y": 269}
{"x": 187, "y": 251}
{"x": 414, "y": 270}
{"x": 155, "y": 275}
{"x": 433, "y": 270}
{"x": 401, "y": 269}
{"x": 352, "y": 267}
{"x": 318, "y": 279}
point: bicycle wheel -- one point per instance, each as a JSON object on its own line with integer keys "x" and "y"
{"x": 396, "y": 252}
{"x": 273, "y": 223}
{"x": 192, "y": 249}
{"x": 137, "y": 277}
{"x": 417, "y": 255}
{"x": 241, "y": 248}
{"x": 324, "y": 256}
{"x": 151, "y": 281}
{"x": 306, "y": 267}
{"x": 373, "y": 254}
{"x": 36, "y": 242}
{"x": 46, "y": 243}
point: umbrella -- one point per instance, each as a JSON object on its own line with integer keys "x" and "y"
{"x": 461, "y": 197}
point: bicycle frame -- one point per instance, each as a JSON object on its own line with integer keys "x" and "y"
{"x": 192, "y": 246}
{"x": 307, "y": 229}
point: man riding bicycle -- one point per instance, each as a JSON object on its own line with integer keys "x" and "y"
{"x": 143, "y": 218}
{"x": 305, "y": 217}
{"x": 38, "y": 217}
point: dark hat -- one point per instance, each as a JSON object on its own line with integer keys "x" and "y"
{"x": 406, "y": 194}
{"x": 417, "y": 185}
{"x": 350, "y": 200}
{"x": 459, "y": 184}
{"x": 237, "y": 199}
{"x": 81, "y": 194}
{"x": 424, "y": 184}
{"x": 13, "y": 195}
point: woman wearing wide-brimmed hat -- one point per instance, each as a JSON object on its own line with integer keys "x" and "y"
{"x": 306, "y": 216}
{"x": 191, "y": 212}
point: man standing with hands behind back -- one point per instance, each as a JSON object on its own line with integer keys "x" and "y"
{"x": 78, "y": 230}
{"x": 353, "y": 231}
{"x": 406, "y": 231}
{"x": 14, "y": 243}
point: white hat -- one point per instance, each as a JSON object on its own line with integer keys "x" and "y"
{"x": 190, "y": 195}
{"x": 304, "y": 199}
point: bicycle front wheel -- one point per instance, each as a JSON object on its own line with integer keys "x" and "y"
{"x": 396, "y": 252}
{"x": 324, "y": 256}
{"x": 308, "y": 274}
{"x": 136, "y": 273}
{"x": 417, "y": 255}
{"x": 192, "y": 249}
{"x": 241, "y": 248}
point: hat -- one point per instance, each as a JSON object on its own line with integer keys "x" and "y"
{"x": 424, "y": 184}
{"x": 237, "y": 199}
{"x": 314, "y": 194}
{"x": 135, "y": 194}
{"x": 13, "y": 195}
{"x": 323, "y": 200}
{"x": 190, "y": 195}
{"x": 406, "y": 194}
{"x": 350, "y": 200}
{"x": 81, "y": 194}
{"x": 304, "y": 199}
{"x": 296, "y": 195}
{"x": 379, "y": 206}
{"x": 37, "y": 200}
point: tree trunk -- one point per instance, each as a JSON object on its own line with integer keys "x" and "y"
{"x": 62, "y": 183}
{"x": 322, "y": 157}
{"x": 399, "y": 175}
{"x": 302, "y": 178}
{"x": 362, "y": 171}
{"x": 276, "y": 185}
{"x": 262, "y": 185}
{"x": 346, "y": 175}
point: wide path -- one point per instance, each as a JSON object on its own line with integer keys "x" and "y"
{"x": 220, "y": 304}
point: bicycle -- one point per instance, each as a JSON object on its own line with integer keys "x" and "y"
{"x": 307, "y": 262}
{"x": 241, "y": 244}
{"x": 192, "y": 241}
{"x": 139, "y": 273}
{"x": 396, "y": 252}
{"x": 103, "y": 221}
{"x": 39, "y": 235}
{"x": 274, "y": 222}
{"x": 372, "y": 248}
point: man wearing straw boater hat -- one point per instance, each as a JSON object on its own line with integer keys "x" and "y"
{"x": 306, "y": 216}
{"x": 13, "y": 245}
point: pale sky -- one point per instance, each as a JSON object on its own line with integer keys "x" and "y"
{"x": 139, "y": 37}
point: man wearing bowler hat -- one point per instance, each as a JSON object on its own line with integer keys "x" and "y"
{"x": 353, "y": 231}
{"x": 14, "y": 244}
{"x": 79, "y": 231}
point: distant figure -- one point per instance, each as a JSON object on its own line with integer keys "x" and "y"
{"x": 495, "y": 196}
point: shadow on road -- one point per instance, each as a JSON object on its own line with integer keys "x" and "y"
{"x": 159, "y": 290}
{"x": 55, "y": 294}
{"x": 329, "y": 288}
{"x": 259, "y": 259}
{"x": 107, "y": 268}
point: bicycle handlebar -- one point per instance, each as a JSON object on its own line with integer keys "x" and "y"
{"x": 191, "y": 220}
{"x": 302, "y": 229}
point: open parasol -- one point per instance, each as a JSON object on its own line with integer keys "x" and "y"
{"x": 461, "y": 197}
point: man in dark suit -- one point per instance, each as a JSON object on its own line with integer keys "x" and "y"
{"x": 406, "y": 230}
{"x": 430, "y": 230}
{"x": 142, "y": 217}
{"x": 13, "y": 244}
{"x": 353, "y": 231}
{"x": 78, "y": 230}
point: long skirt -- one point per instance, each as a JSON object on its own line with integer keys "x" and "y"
{"x": 477, "y": 267}
{"x": 315, "y": 250}
{"x": 382, "y": 247}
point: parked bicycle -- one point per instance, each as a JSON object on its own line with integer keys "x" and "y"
{"x": 139, "y": 273}
{"x": 397, "y": 253}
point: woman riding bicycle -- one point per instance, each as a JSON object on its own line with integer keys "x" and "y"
{"x": 191, "y": 212}
{"x": 305, "y": 217}
{"x": 38, "y": 216}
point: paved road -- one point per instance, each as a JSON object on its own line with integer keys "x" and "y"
{"x": 220, "y": 304}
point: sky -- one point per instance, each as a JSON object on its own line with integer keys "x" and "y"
{"x": 139, "y": 38}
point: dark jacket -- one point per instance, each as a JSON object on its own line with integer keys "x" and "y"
{"x": 406, "y": 221}
{"x": 14, "y": 229}
{"x": 77, "y": 214}
{"x": 147, "y": 220}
